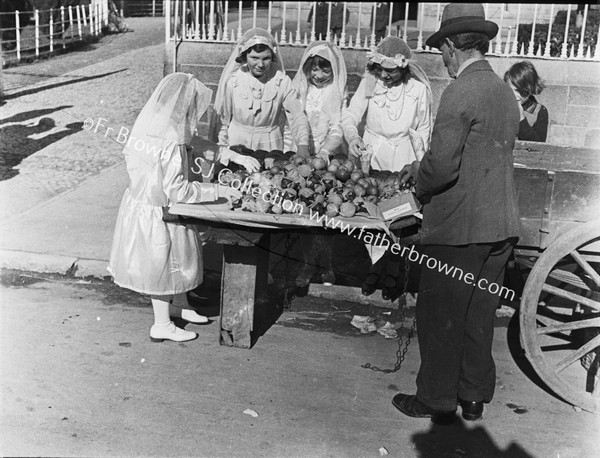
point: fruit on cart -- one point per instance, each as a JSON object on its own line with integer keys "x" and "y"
{"x": 342, "y": 174}
{"x": 347, "y": 210}
{"x": 319, "y": 163}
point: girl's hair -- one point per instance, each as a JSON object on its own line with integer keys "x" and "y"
{"x": 241, "y": 59}
{"x": 317, "y": 61}
{"x": 373, "y": 69}
{"x": 524, "y": 78}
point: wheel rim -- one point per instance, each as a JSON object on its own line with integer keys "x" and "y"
{"x": 560, "y": 317}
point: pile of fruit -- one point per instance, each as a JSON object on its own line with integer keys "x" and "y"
{"x": 337, "y": 188}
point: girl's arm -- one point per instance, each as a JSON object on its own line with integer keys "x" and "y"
{"x": 351, "y": 118}
{"x": 333, "y": 139}
{"x": 295, "y": 114}
{"x": 424, "y": 121}
{"x": 175, "y": 186}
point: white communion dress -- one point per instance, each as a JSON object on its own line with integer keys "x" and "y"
{"x": 149, "y": 255}
{"x": 391, "y": 112}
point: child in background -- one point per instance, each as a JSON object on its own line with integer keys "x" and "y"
{"x": 321, "y": 84}
{"x": 149, "y": 255}
{"x": 525, "y": 83}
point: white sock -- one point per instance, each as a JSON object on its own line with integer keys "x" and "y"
{"x": 160, "y": 305}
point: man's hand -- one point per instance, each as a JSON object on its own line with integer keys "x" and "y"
{"x": 409, "y": 173}
{"x": 357, "y": 147}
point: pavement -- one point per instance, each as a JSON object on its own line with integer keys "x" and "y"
{"x": 62, "y": 183}
{"x": 79, "y": 376}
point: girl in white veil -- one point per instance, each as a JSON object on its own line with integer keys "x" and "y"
{"x": 321, "y": 84}
{"x": 394, "y": 97}
{"x": 149, "y": 255}
{"x": 255, "y": 97}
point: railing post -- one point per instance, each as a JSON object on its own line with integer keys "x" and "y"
{"x": 62, "y": 26}
{"x": 405, "y": 34}
{"x": 343, "y": 34}
{"x": 298, "y": 35}
{"x": 51, "y": 29}
{"x": 167, "y": 13}
{"x": 283, "y": 16}
{"x": 71, "y": 25}
{"x": 357, "y": 43}
{"x": 239, "y": 34}
{"x": 153, "y": 8}
{"x": 254, "y": 9}
{"x": 374, "y": 18}
{"x": 391, "y": 13}
{"x": 211, "y": 20}
{"x": 197, "y": 35}
{"x": 420, "y": 18}
{"x": 547, "y": 50}
{"x": 499, "y": 37}
{"x": 565, "y": 44}
{"x": 583, "y": 24}
{"x": 530, "y": 52}
{"x": 328, "y": 35}
{"x": 225, "y": 21}
{"x": 18, "y": 34}
{"x": 77, "y": 9}
{"x": 268, "y": 17}
{"x": 36, "y": 16}
{"x": 516, "y": 42}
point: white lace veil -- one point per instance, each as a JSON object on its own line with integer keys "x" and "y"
{"x": 395, "y": 51}
{"x": 336, "y": 92}
{"x": 250, "y": 38}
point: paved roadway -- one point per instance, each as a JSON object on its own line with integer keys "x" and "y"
{"x": 41, "y": 124}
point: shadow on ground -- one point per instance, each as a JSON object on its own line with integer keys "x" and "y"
{"x": 456, "y": 440}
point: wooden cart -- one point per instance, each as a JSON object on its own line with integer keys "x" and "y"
{"x": 559, "y": 200}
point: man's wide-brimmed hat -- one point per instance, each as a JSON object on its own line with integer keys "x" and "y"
{"x": 462, "y": 18}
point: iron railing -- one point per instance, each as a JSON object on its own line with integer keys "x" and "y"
{"x": 545, "y": 31}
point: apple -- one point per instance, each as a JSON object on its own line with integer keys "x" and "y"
{"x": 319, "y": 163}
{"x": 359, "y": 190}
{"x": 342, "y": 174}
{"x": 333, "y": 168}
{"x": 348, "y": 210}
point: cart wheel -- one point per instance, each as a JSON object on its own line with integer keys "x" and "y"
{"x": 560, "y": 317}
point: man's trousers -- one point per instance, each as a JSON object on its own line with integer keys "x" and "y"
{"x": 455, "y": 321}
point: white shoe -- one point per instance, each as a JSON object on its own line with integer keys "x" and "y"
{"x": 170, "y": 332}
{"x": 193, "y": 317}
{"x": 188, "y": 315}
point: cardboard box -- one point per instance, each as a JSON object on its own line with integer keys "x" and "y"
{"x": 399, "y": 207}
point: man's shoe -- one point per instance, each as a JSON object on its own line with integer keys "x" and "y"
{"x": 409, "y": 405}
{"x": 471, "y": 410}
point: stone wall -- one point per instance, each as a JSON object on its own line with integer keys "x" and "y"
{"x": 572, "y": 95}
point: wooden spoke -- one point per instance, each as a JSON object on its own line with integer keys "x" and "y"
{"x": 570, "y": 359}
{"x": 571, "y": 296}
{"x": 549, "y": 329}
{"x": 595, "y": 276}
{"x": 568, "y": 277}
{"x": 546, "y": 321}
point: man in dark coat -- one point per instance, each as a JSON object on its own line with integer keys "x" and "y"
{"x": 470, "y": 222}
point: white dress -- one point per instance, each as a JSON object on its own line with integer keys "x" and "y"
{"x": 149, "y": 255}
{"x": 254, "y": 112}
{"x": 390, "y": 113}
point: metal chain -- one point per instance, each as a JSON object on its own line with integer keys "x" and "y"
{"x": 400, "y": 351}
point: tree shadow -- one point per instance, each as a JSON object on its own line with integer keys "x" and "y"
{"x": 55, "y": 85}
{"x": 20, "y": 117}
{"x": 17, "y": 145}
{"x": 456, "y": 440}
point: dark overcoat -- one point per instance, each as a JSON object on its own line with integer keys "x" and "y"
{"x": 465, "y": 180}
